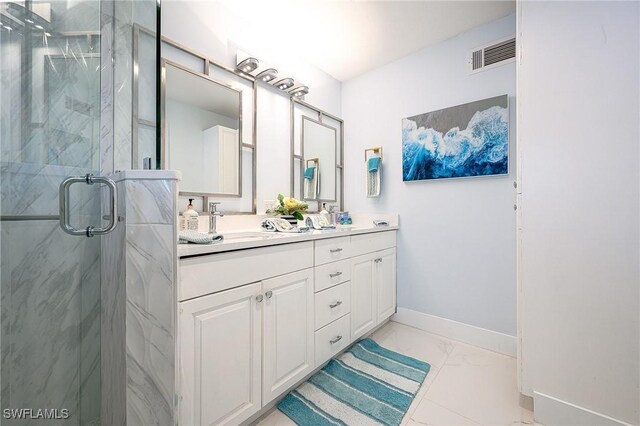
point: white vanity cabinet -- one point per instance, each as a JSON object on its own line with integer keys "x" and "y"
{"x": 242, "y": 347}
{"x": 385, "y": 276}
{"x": 373, "y": 281}
{"x": 363, "y": 295}
{"x": 221, "y": 356}
{"x": 254, "y": 322}
{"x": 288, "y": 322}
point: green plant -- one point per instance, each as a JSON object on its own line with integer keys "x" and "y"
{"x": 288, "y": 206}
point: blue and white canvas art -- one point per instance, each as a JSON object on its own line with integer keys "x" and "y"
{"x": 461, "y": 141}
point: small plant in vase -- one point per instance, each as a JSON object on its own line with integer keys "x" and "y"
{"x": 289, "y": 208}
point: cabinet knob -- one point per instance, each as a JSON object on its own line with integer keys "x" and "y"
{"x": 336, "y": 304}
{"x": 378, "y": 260}
{"x": 269, "y": 294}
{"x": 336, "y": 274}
{"x": 335, "y": 340}
{"x": 259, "y": 298}
{"x": 338, "y": 250}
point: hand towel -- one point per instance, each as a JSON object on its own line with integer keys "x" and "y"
{"x": 276, "y": 224}
{"x": 373, "y": 164}
{"x": 189, "y": 236}
{"x": 309, "y": 171}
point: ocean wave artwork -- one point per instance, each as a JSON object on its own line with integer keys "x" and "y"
{"x": 461, "y": 141}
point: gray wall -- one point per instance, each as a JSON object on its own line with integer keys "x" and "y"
{"x": 456, "y": 245}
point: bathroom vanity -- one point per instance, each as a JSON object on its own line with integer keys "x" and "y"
{"x": 259, "y": 312}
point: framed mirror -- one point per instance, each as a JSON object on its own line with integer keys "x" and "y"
{"x": 202, "y": 132}
{"x": 319, "y": 147}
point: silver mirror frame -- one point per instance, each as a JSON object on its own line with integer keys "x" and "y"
{"x": 295, "y": 157}
{"x": 206, "y": 63}
{"x": 163, "y": 116}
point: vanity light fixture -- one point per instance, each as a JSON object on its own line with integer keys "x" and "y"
{"x": 299, "y": 92}
{"x": 284, "y": 84}
{"x": 248, "y": 65}
{"x": 268, "y": 75}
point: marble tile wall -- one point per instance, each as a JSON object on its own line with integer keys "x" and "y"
{"x": 107, "y": 10}
{"x": 53, "y": 300}
{"x": 50, "y": 281}
{"x": 122, "y": 83}
{"x": 151, "y": 268}
{"x": 139, "y": 305}
{"x": 112, "y": 325}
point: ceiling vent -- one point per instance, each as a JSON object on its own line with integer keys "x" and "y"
{"x": 492, "y": 55}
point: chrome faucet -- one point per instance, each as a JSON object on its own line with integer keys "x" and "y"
{"x": 213, "y": 215}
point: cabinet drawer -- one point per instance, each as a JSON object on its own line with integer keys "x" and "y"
{"x": 332, "y": 339}
{"x": 221, "y": 271}
{"x": 332, "y": 303}
{"x": 331, "y": 274}
{"x": 367, "y": 243}
{"x": 332, "y": 249}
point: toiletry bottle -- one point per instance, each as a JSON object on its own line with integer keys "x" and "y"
{"x": 190, "y": 217}
{"x": 332, "y": 215}
{"x": 324, "y": 215}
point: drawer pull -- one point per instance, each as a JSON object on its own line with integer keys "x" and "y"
{"x": 336, "y": 274}
{"x": 338, "y": 250}
{"x": 335, "y": 340}
{"x": 336, "y": 304}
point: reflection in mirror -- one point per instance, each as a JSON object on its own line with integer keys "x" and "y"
{"x": 319, "y": 149}
{"x": 202, "y": 134}
{"x": 312, "y": 179}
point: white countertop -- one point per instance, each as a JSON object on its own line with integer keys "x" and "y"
{"x": 248, "y": 239}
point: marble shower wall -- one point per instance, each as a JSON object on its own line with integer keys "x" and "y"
{"x": 50, "y": 321}
{"x": 127, "y": 105}
{"x": 50, "y": 281}
{"x": 138, "y": 330}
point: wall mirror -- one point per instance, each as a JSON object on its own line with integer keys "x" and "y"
{"x": 319, "y": 146}
{"x": 316, "y": 140}
{"x": 202, "y": 132}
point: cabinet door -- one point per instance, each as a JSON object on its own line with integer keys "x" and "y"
{"x": 363, "y": 295}
{"x": 220, "y": 355}
{"x": 385, "y": 273}
{"x": 288, "y": 322}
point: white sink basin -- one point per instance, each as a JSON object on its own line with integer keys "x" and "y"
{"x": 249, "y": 235}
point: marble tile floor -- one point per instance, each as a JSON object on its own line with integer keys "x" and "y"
{"x": 467, "y": 385}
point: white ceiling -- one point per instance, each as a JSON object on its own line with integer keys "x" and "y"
{"x": 348, "y": 38}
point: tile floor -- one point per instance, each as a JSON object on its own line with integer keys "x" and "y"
{"x": 467, "y": 385}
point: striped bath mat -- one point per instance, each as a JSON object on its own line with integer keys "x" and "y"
{"x": 366, "y": 385}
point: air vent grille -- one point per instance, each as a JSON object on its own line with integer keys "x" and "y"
{"x": 492, "y": 55}
{"x": 500, "y": 52}
{"x": 477, "y": 59}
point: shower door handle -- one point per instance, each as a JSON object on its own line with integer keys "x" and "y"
{"x": 89, "y": 231}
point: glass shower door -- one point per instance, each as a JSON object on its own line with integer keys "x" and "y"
{"x": 50, "y": 281}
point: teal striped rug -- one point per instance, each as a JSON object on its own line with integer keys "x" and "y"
{"x": 366, "y": 385}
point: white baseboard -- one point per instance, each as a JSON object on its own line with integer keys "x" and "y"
{"x": 487, "y": 339}
{"x": 552, "y": 411}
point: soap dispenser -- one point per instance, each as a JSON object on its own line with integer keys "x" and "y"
{"x": 190, "y": 217}
{"x": 325, "y": 216}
